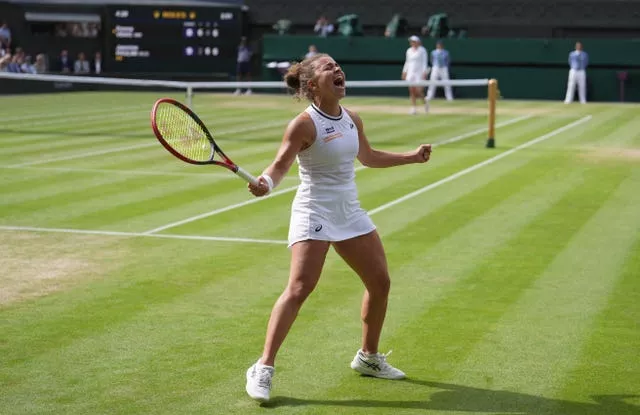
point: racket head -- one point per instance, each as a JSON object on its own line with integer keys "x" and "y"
{"x": 184, "y": 134}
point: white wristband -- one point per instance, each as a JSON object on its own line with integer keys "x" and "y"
{"x": 269, "y": 181}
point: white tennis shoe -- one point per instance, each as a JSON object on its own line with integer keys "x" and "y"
{"x": 259, "y": 381}
{"x": 375, "y": 365}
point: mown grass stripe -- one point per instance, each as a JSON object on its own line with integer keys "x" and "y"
{"x": 540, "y": 338}
{"x": 480, "y": 298}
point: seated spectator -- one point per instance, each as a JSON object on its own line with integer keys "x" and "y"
{"x": 81, "y": 66}
{"x": 64, "y": 63}
{"x": 40, "y": 66}
{"x": 4, "y": 62}
{"x": 27, "y": 66}
{"x": 323, "y": 27}
{"x": 14, "y": 64}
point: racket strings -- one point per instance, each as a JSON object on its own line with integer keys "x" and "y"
{"x": 183, "y": 133}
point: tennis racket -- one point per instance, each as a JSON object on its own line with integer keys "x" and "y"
{"x": 185, "y": 136}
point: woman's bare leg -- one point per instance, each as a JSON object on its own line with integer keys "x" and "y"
{"x": 372, "y": 270}
{"x": 307, "y": 260}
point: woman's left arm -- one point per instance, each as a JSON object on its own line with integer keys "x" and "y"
{"x": 371, "y": 157}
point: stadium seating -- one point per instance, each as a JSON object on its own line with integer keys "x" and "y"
{"x": 349, "y": 25}
{"x": 282, "y": 26}
{"x": 487, "y": 17}
{"x": 398, "y": 26}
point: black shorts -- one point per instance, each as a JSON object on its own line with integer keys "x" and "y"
{"x": 243, "y": 68}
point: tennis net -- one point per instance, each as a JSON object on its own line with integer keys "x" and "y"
{"x": 191, "y": 89}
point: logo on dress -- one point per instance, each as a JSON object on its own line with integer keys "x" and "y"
{"x": 318, "y": 228}
{"x": 330, "y": 130}
{"x": 351, "y": 125}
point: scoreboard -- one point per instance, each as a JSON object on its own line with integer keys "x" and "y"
{"x": 177, "y": 39}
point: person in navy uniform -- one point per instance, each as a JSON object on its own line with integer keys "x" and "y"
{"x": 578, "y": 62}
{"x": 244, "y": 64}
{"x": 440, "y": 71}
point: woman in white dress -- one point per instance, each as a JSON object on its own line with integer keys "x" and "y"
{"x": 325, "y": 139}
{"x": 416, "y": 69}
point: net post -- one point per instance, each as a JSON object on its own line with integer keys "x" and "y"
{"x": 189, "y": 96}
{"x": 493, "y": 96}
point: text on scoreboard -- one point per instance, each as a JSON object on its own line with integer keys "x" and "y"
{"x": 155, "y": 39}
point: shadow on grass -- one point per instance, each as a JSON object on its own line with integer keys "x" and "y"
{"x": 450, "y": 397}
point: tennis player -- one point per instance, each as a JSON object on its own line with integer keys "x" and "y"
{"x": 326, "y": 138}
{"x": 416, "y": 69}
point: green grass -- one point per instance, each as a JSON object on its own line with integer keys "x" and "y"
{"x": 515, "y": 286}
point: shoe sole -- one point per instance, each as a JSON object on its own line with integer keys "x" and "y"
{"x": 257, "y": 398}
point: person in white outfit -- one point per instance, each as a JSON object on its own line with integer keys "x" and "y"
{"x": 578, "y": 63}
{"x": 326, "y": 138}
{"x": 439, "y": 71}
{"x": 415, "y": 69}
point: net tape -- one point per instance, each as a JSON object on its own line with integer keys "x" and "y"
{"x": 227, "y": 85}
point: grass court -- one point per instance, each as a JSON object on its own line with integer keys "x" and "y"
{"x": 134, "y": 283}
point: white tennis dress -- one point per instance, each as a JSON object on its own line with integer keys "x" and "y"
{"x": 415, "y": 64}
{"x": 326, "y": 205}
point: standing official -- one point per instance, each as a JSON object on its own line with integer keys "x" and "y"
{"x": 415, "y": 69}
{"x": 578, "y": 62}
{"x": 243, "y": 70}
{"x": 439, "y": 71}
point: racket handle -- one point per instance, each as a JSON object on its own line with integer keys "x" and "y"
{"x": 247, "y": 176}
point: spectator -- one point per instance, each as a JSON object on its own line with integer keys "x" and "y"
{"x": 41, "y": 64}
{"x": 81, "y": 66}
{"x": 14, "y": 64}
{"x": 5, "y": 36}
{"x": 96, "y": 65}
{"x": 313, "y": 50}
{"x": 323, "y": 27}
{"x": 64, "y": 63}
{"x": 27, "y": 66}
{"x": 4, "y": 62}
{"x": 244, "y": 64}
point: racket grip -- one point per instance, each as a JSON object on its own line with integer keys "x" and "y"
{"x": 247, "y": 176}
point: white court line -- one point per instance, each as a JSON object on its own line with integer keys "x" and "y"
{"x": 292, "y": 188}
{"x": 128, "y": 234}
{"x": 279, "y": 242}
{"x": 479, "y": 165}
{"x": 481, "y": 130}
{"x": 77, "y": 156}
{"x": 86, "y": 119}
{"x": 125, "y": 148}
{"x": 224, "y": 209}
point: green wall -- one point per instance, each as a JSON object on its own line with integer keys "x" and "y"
{"x": 524, "y": 68}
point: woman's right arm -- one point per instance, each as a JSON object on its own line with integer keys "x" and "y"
{"x": 300, "y": 134}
